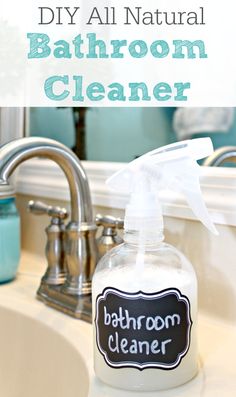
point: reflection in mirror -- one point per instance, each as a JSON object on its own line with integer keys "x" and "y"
{"x": 122, "y": 134}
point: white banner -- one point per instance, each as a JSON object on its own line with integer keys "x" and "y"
{"x": 117, "y": 53}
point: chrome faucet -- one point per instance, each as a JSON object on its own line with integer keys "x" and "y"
{"x": 72, "y": 293}
{"x": 221, "y": 156}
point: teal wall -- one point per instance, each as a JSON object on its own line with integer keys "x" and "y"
{"x": 117, "y": 134}
{"x": 121, "y": 134}
{"x": 53, "y": 123}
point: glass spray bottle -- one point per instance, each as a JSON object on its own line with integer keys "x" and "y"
{"x": 145, "y": 291}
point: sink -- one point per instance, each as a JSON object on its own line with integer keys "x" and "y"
{"x": 46, "y": 353}
{"x": 37, "y": 361}
{"x": 42, "y": 352}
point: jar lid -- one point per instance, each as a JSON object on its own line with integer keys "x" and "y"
{"x": 7, "y": 191}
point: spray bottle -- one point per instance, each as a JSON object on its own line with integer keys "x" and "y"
{"x": 145, "y": 291}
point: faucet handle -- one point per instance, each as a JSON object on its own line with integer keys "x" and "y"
{"x": 55, "y": 247}
{"x": 109, "y": 237}
{"x": 40, "y": 208}
{"x": 109, "y": 221}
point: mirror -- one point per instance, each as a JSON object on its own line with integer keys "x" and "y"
{"x": 122, "y": 134}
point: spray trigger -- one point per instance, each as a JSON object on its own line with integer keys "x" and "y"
{"x": 171, "y": 167}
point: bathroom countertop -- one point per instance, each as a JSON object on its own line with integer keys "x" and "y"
{"x": 217, "y": 347}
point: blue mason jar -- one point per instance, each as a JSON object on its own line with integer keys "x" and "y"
{"x": 9, "y": 235}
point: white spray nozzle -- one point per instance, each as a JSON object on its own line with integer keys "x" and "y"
{"x": 174, "y": 167}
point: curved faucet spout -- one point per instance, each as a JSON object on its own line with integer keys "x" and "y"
{"x": 226, "y": 154}
{"x": 14, "y": 153}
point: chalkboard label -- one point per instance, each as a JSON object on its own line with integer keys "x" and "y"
{"x": 143, "y": 330}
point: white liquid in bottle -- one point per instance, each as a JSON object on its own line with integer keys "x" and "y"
{"x": 166, "y": 269}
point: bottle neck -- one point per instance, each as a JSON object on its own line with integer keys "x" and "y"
{"x": 144, "y": 237}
